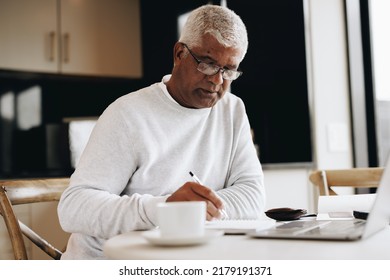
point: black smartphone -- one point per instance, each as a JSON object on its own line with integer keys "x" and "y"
{"x": 360, "y": 215}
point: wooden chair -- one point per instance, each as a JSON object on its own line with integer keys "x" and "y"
{"x": 18, "y": 192}
{"x": 354, "y": 177}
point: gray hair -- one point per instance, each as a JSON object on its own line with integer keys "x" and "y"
{"x": 222, "y": 23}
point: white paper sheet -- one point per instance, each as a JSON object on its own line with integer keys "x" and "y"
{"x": 336, "y": 207}
{"x": 239, "y": 226}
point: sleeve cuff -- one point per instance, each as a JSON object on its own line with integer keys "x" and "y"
{"x": 150, "y": 206}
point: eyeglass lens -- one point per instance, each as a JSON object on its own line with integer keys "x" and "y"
{"x": 209, "y": 69}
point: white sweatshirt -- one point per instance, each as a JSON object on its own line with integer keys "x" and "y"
{"x": 141, "y": 150}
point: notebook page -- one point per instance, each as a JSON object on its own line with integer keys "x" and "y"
{"x": 239, "y": 226}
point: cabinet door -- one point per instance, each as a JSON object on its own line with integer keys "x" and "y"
{"x": 101, "y": 37}
{"x": 28, "y": 35}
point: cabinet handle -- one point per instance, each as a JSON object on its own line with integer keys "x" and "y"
{"x": 52, "y": 42}
{"x": 66, "y": 47}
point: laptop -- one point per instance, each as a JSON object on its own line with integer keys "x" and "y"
{"x": 344, "y": 230}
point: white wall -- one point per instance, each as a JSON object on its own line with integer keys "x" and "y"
{"x": 330, "y": 84}
{"x": 329, "y": 99}
{"x": 289, "y": 188}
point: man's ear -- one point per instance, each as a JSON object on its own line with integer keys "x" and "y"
{"x": 178, "y": 52}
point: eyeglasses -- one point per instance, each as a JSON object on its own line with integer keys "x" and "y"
{"x": 211, "y": 69}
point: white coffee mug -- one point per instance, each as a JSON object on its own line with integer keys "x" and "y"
{"x": 182, "y": 219}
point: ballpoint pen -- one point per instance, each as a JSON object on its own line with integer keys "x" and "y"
{"x": 196, "y": 179}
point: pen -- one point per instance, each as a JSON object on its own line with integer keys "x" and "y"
{"x": 196, "y": 179}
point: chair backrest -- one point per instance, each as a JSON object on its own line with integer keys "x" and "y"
{"x": 355, "y": 177}
{"x": 16, "y": 192}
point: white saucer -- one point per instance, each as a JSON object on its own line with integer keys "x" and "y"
{"x": 154, "y": 237}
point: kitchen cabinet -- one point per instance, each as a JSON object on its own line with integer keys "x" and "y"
{"x": 76, "y": 37}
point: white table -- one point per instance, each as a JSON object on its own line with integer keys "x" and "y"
{"x": 134, "y": 246}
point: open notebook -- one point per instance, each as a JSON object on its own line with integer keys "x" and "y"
{"x": 240, "y": 226}
{"x": 349, "y": 229}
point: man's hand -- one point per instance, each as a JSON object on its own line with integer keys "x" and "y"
{"x": 191, "y": 191}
